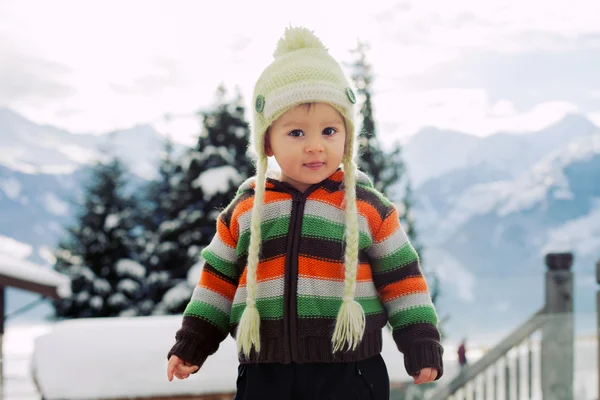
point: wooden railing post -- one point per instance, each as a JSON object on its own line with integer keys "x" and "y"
{"x": 557, "y": 348}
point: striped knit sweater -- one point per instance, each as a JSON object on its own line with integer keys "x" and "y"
{"x": 300, "y": 279}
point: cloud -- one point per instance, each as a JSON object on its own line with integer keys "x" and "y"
{"x": 25, "y": 78}
{"x": 400, "y": 115}
{"x": 524, "y": 78}
{"x": 168, "y": 74}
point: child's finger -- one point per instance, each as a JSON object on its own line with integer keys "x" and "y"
{"x": 183, "y": 369}
{"x": 433, "y": 375}
{"x": 421, "y": 377}
{"x": 170, "y": 370}
{"x": 172, "y": 365}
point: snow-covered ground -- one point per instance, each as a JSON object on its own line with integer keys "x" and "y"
{"x": 118, "y": 350}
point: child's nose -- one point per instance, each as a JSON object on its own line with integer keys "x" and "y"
{"x": 314, "y": 145}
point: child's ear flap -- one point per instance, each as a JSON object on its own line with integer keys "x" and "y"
{"x": 268, "y": 148}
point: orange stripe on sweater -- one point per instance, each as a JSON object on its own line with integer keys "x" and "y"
{"x": 216, "y": 284}
{"x": 371, "y": 214}
{"x": 336, "y": 200}
{"x": 225, "y": 234}
{"x": 246, "y": 205}
{"x": 388, "y": 227}
{"x": 267, "y": 270}
{"x": 402, "y": 288}
{"x": 321, "y": 269}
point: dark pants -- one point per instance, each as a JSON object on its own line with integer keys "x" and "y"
{"x": 367, "y": 379}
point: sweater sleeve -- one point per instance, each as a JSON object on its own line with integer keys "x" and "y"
{"x": 206, "y": 318}
{"x": 404, "y": 292}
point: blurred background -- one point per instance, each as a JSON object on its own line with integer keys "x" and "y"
{"x": 123, "y": 132}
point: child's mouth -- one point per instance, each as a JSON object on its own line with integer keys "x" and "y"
{"x": 314, "y": 165}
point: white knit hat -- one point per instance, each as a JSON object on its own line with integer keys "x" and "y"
{"x": 303, "y": 72}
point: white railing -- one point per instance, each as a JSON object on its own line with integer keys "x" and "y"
{"x": 507, "y": 370}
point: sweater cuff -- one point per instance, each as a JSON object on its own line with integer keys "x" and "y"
{"x": 191, "y": 351}
{"x": 424, "y": 355}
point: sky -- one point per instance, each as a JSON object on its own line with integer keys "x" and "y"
{"x": 479, "y": 67}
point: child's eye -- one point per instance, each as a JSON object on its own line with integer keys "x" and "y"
{"x": 329, "y": 131}
{"x": 296, "y": 133}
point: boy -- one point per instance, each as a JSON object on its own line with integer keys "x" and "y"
{"x": 307, "y": 268}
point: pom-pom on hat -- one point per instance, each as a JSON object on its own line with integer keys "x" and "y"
{"x": 302, "y": 72}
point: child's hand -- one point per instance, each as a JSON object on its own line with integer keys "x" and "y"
{"x": 179, "y": 368}
{"x": 425, "y": 375}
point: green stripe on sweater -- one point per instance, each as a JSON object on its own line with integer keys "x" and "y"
{"x": 401, "y": 257}
{"x": 318, "y": 227}
{"x": 208, "y": 313}
{"x": 225, "y": 267}
{"x": 313, "y": 306}
{"x": 424, "y": 314}
{"x": 271, "y": 229}
{"x": 271, "y": 308}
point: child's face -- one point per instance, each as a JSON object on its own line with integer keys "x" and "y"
{"x": 308, "y": 143}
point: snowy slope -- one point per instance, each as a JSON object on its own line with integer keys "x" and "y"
{"x": 432, "y": 152}
{"x": 31, "y": 148}
{"x": 532, "y": 189}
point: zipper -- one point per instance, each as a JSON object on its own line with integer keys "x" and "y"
{"x": 299, "y": 203}
{"x": 291, "y": 272}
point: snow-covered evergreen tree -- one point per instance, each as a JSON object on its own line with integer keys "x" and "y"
{"x": 97, "y": 250}
{"x": 204, "y": 183}
{"x": 385, "y": 168}
{"x": 158, "y": 201}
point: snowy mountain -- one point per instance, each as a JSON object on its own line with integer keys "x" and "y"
{"x": 432, "y": 152}
{"x": 30, "y": 148}
{"x": 487, "y": 232}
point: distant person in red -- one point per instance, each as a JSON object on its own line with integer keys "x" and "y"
{"x": 462, "y": 354}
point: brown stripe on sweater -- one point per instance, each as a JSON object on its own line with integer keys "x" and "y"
{"x": 209, "y": 268}
{"x": 324, "y": 249}
{"x": 409, "y": 335}
{"x": 367, "y": 196}
{"x": 396, "y": 275}
{"x": 196, "y": 340}
{"x": 269, "y": 328}
{"x": 323, "y": 327}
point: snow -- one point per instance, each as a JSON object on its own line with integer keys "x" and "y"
{"x": 11, "y": 187}
{"x": 26, "y": 270}
{"x": 178, "y": 294}
{"x": 47, "y": 255}
{"x": 55, "y": 205}
{"x": 111, "y": 221}
{"x": 128, "y": 286}
{"x": 130, "y": 268}
{"x": 526, "y": 191}
{"x": 217, "y": 180}
{"x": 193, "y": 274}
{"x": 136, "y": 348}
{"x": 579, "y": 235}
{"x": 14, "y": 248}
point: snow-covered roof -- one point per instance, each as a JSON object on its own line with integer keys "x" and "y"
{"x": 27, "y": 275}
{"x": 105, "y": 358}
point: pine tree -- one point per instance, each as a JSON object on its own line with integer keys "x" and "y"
{"x": 97, "y": 250}
{"x": 206, "y": 181}
{"x": 385, "y": 168}
{"x": 159, "y": 197}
